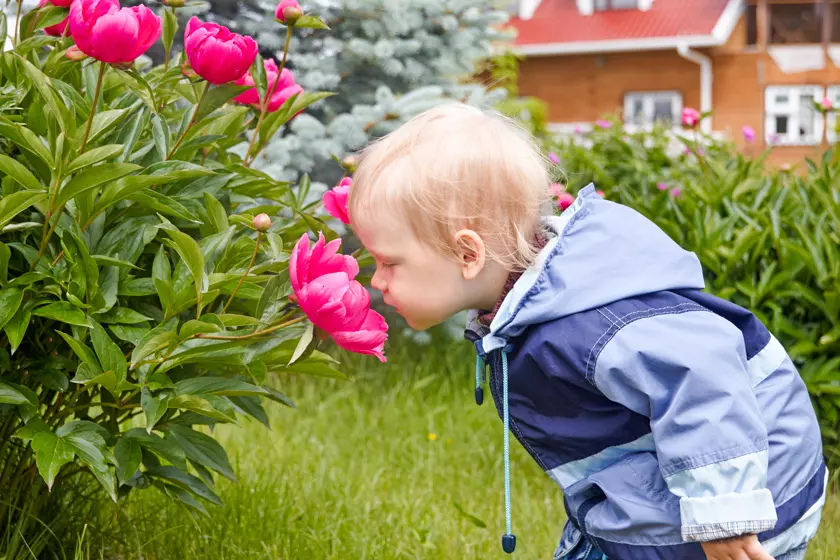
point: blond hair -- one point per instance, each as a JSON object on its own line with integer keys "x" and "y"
{"x": 456, "y": 167}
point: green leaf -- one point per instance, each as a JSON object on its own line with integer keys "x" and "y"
{"x": 216, "y": 213}
{"x": 190, "y": 253}
{"x": 84, "y": 353}
{"x": 14, "y": 204}
{"x": 25, "y": 139}
{"x": 33, "y": 427}
{"x": 51, "y": 453}
{"x": 185, "y": 481}
{"x": 128, "y": 455}
{"x": 19, "y": 173}
{"x": 305, "y": 342}
{"x": 93, "y": 156}
{"x": 170, "y": 28}
{"x": 202, "y": 449}
{"x": 291, "y": 107}
{"x": 160, "y": 134}
{"x": 93, "y": 177}
{"x": 10, "y": 300}
{"x": 105, "y": 121}
{"x": 217, "y": 386}
{"x": 64, "y": 312}
{"x": 123, "y": 316}
{"x": 16, "y": 327}
{"x": 5, "y": 255}
{"x": 154, "y": 344}
{"x": 154, "y": 406}
{"x": 311, "y": 22}
{"x": 54, "y": 101}
{"x": 260, "y": 79}
{"x": 111, "y": 261}
{"x": 196, "y": 326}
{"x": 206, "y": 405}
{"x": 217, "y": 96}
{"x": 4, "y": 27}
{"x": 10, "y": 395}
{"x": 110, "y": 355}
{"x": 470, "y": 517}
{"x": 165, "y": 448}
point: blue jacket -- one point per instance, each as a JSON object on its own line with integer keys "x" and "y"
{"x": 667, "y": 416}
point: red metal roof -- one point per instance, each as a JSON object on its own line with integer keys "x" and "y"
{"x": 559, "y": 21}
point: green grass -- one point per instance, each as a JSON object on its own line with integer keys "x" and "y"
{"x": 355, "y": 473}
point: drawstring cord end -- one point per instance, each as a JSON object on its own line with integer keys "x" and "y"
{"x": 508, "y": 543}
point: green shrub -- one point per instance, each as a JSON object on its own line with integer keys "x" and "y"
{"x": 139, "y": 305}
{"x": 768, "y": 239}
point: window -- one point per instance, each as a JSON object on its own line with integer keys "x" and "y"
{"x": 649, "y": 107}
{"x": 792, "y": 24}
{"x": 831, "y": 132}
{"x": 604, "y": 5}
{"x": 752, "y": 26}
{"x": 790, "y": 117}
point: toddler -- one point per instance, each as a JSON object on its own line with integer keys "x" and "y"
{"x": 674, "y": 422}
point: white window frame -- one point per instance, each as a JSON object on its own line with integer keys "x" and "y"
{"x": 832, "y": 93}
{"x": 772, "y": 109}
{"x": 648, "y": 99}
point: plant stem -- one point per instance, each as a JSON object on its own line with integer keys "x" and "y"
{"x": 102, "y": 68}
{"x": 255, "y": 333}
{"x": 249, "y": 159}
{"x": 17, "y": 21}
{"x": 192, "y": 122}
{"x": 247, "y": 270}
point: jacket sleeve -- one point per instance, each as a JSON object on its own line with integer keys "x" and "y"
{"x": 689, "y": 374}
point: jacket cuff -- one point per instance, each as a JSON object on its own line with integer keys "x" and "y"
{"x": 727, "y": 515}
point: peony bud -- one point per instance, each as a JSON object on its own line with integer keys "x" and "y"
{"x": 261, "y": 222}
{"x": 350, "y": 163}
{"x": 74, "y": 53}
{"x": 288, "y": 12}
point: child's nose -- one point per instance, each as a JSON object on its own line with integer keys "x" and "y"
{"x": 377, "y": 282}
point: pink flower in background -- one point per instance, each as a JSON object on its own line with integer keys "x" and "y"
{"x": 325, "y": 289}
{"x": 288, "y": 10}
{"x": 323, "y": 258}
{"x": 284, "y": 87}
{"x": 676, "y": 192}
{"x": 335, "y": 200}
{"x": 690, "y": 117}
{"x": 602, "y": 194}
{"x": 602, "y": 123}
{"x": 557, "y": 189}
{"x": 662, "y": 186}
{"x": 112, "y": 34}
{"x": 59, "y": 28}
{"x": 215, "y": 53}
{"x": 826, "y": 104}
{"x": 565, "y": 200}
{"x": 578, "y": 129}
{"x": 748, "y": 132}
{"x": 552, "y": 157}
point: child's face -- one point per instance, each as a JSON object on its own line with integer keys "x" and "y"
{"x": 423, "y": 285}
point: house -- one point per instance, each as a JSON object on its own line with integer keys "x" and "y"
{"x": 759, "y": 63}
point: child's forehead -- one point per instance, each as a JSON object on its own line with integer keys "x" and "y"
{"x": 379, "y": 229}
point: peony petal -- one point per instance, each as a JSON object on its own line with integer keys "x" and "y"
{"x": 150, "y": 29}
{"x": 113, "y": 37}
{"x": 299, "y": 263}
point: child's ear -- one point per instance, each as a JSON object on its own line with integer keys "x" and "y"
{"x": 471, "y": 253}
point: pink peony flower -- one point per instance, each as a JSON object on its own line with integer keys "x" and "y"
{"x": 826, "y": 104}
{"x": 335, "y": 200}
{"x": 60, "y": 28}
{"x": 284, "y": 87}
{"x": 602, "y": 123}
{"x": 288, "y": 11}
{"x": 307, "y": 264}
{"x": 600, "y": 193}
{"x": 557, "y": 189}
{"x": 662, "y": 186}
{"x": 748, "y": 132}
{"x": 325, "y": 289}
{"x": 690, "y": 117}
{"x": 552, "y": 157}
{"x": 565, "y": 200}
{"x": 216, "y": 54}
{"x": 112, "y": 34}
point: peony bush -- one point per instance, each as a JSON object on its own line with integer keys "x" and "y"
{"x": 152, "y": 284}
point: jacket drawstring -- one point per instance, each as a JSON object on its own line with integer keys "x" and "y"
{"x": 508, "y": 539}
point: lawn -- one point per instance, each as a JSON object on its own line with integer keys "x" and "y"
{"x": 397, "y": 463}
